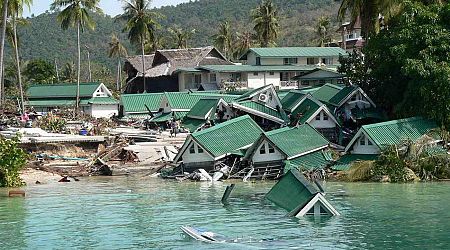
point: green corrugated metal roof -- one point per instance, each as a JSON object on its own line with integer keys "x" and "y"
{"x": 299, "y": 51}
{"x": 99, "y": 100}
{"x": 292, "y": 99}
{"x": 326, "y": 92}
{"x": 394, "y": 132}
{"x": 296, "y": 140}
{"x": 345, "y": 162}
{"x": 192, "y": 124}
{"x": 229, "y": 136}
{"x": 292, "y": 191}
{"x": 315, "y": 160}
{"x": 61, "y": 90}
{"x": 305, "y": 110}
{"x": 254, "y": 68}
{"x": 249, "y": 93}
{"x": 341, "y": 95}
{"x": 134, "y": 103}
{"x": 264, "y": 109}
{"x": 167, "y": 116}
{"x": 187, "y": 100}
{"x": 56, "y": 102}
{"x": 203, "y": 107}
{"x": 282, "y": 93}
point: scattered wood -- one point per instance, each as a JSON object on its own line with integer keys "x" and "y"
{"x": 13, "y": 193}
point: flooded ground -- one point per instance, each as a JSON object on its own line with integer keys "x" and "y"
{"x": 135, "y": 212}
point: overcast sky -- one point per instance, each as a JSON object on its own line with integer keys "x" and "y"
{"x": 110, "y": 7}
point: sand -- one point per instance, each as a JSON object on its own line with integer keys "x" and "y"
{"x": 30, "y": 176}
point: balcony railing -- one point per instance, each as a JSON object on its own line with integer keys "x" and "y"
{"x": 289, "y": 84}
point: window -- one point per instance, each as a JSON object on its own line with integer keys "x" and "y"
{"x": 192, "y": 149}
{"x": 353, "y": 98}
{"x": 312, "y": 60}
{"x": 271, "y": 73}
{"x": 271, "y": 149}
{"x": 197, "y": 78}
{"x": 212, "y": 78}
{"x": 369, "y": 142}
{"x": 258, "y": 60}
{"x": 362, "y": 141}
{"x": 284, "y": 76}
{"x": 255, "y": 73}
{"x": 327, "y": 60}
{"x": 262, "y": 150}
{"x": 292, "y": 60}
{"x": 318, "y": 117}
{"x": 199, "y": 150}
{"x": 325, "y": 117}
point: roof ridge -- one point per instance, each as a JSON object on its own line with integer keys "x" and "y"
{"x": 391, "y": 122}
{"x": 63, "y": 84}
{"x": 224, "y": 124}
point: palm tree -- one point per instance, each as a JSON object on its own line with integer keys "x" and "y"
{"x": 265, "y": 19}
{"x": 323, "y": 30}
{"x": 181, "y": 36}
{"x": 16, "y": 10}
{"x": 116, "y": 49}
{"x": 159, "y": 42}
{"x": 68, "y": 72}
{"x": 141, "y": 25}
{"x": 244, "y": 41}
{"x": 223, "y": 38}
{"x": 2, "y": 46}
{"x": 76, "y": 14}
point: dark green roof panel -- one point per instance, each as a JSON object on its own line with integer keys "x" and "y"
{"x": 61, "y": 90}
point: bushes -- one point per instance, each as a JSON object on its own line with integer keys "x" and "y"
{"x": 52, "y": 123}
{"x": 12, "y": 159}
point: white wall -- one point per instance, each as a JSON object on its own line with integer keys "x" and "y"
{"x": 272, "y": 61}
{"x": 104, "y": 111}
{"x": 197, "y": 157}
{"x": 101, "y": 92}
{"x": 271, "y": 102}
{"x": 322, "y": 123}
{"x": 263, "y": 79}
{"x": 251, "y": 58}
{"x": 257, "y": 157}
{"x": 366, "y": 148}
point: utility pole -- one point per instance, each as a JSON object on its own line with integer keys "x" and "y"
{"x": 89, "y": 63}
{"x": 57, "y": 71}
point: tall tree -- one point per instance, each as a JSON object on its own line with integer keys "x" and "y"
{"x": 4, "y": 12}
{"x": 15, "y": 11}
{"x": 223, "y": 38}
{"x": 266, "y": 21}
{"x": 181, "y": 36}
{"x": 323, "y": 30}
{"x": 243, "y": 42}
{"x": 118, "y": 50}
{"x": 141, "y": 25}
{"x": 76, "y": 14}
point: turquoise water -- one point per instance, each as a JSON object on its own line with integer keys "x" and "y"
{"x": 134, "y": 212}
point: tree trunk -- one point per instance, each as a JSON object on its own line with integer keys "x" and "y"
{"x": 79, "y": 69}
{"x": 89, "y": 66}
{"x": 143, "y": 63}
{"x": 19, "y": 74}
{"x": 118, "y": 76}
{"x": 2, "y": 48}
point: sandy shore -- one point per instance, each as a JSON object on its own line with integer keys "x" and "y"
{"x": 30, "y": 176}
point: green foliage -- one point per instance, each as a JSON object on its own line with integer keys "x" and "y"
{"x": 323, "y": 30}
{"x": 223, "y": 38}
{"x": 12, "y": 160}
{"x": 40, "y": 71}
{"x": 266, "y": 20}
{"x": 390, "y": 163}
{"x": 355, "y": 68}
{"x": 181, "y": 37}
{"x": 52, "y": 123}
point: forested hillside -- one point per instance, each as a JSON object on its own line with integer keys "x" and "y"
{"x": 43, "y": 37}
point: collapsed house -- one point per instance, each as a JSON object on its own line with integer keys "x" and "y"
{"x": 209, "y": 147}
{"x": 371, "y": 139}
{"x": 95, "y": 98}
{"x": 277, "y": 151}
{"x": 300, "y": 197}
{"x": 263, "y": 105}
{"x": 305, "y": 109}
{"x": 139, "y": 106}
{"x": 162, "y": 69}
{"x": 207, "y": 112}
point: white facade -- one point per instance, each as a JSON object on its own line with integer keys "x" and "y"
{"x": 195, "y": 154}
{"x": 266, "y": 152}
{"x": 104, "y": 110}
{"x": 363, "y": 145}
{"x": 322, "y": 120}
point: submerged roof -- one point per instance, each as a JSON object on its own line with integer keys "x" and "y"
{"x": 396, "y": 131}
{"x": 292, "y": 191}
{"x": 135, "y": 103}
{"x": 61, "y": 90}
{"x": 315, "y": 160}
{"x": 296, "y": 52}
{"x": 228, "y": 136}
{"x": 345, "y": 162}
{"x": 192, "y": 124}
{"x": 297, "y": 140}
